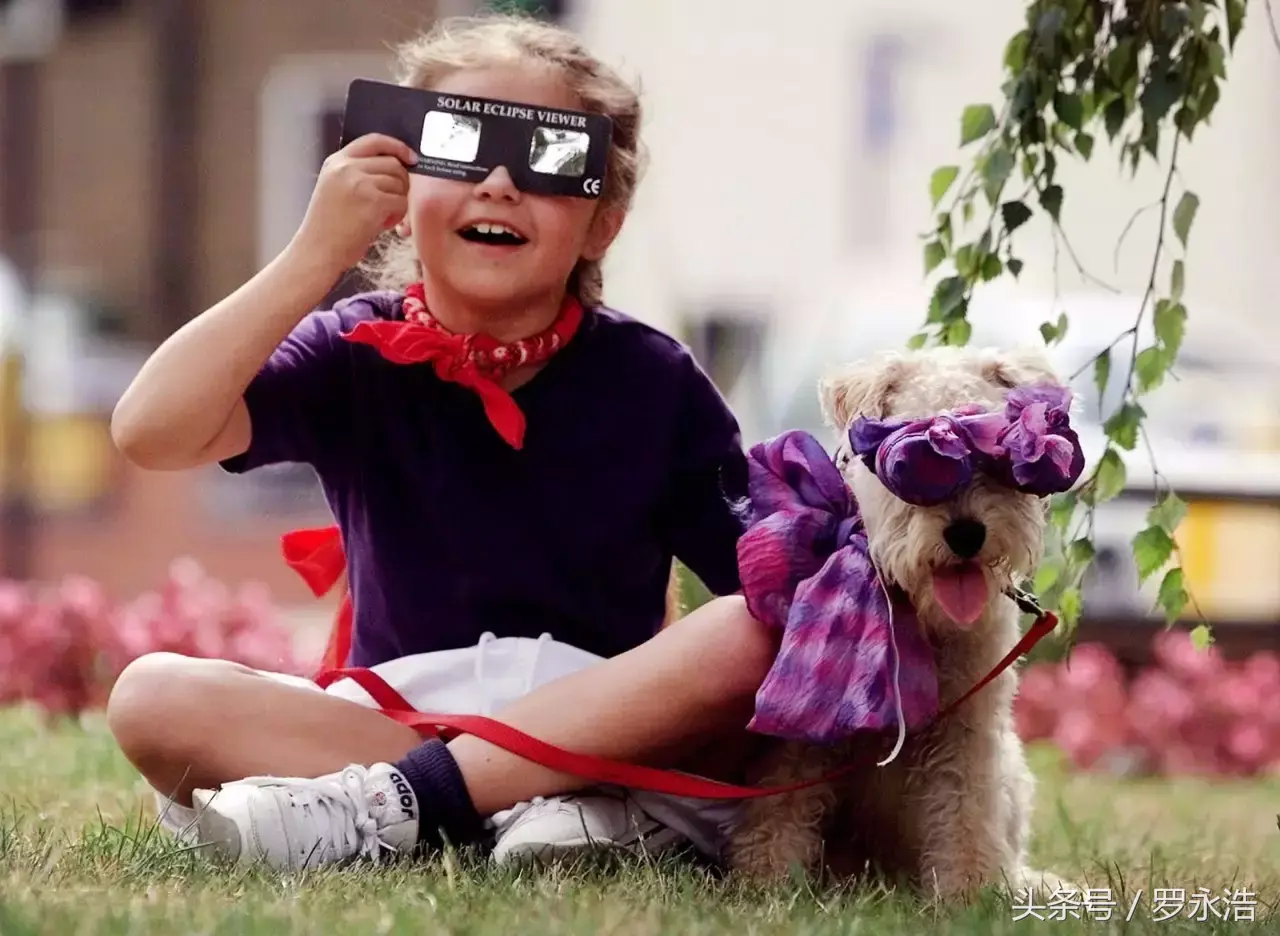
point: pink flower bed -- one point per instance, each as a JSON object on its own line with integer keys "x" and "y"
{"x": 63, "y": 647}
{"x": 1192, "y": 712}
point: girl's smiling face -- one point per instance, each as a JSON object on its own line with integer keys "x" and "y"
{"x": 551, "y": 232}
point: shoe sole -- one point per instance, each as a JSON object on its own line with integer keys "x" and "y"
{"x": 553, "y": 853}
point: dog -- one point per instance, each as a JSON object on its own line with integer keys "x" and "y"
{"x": 951, "y": 814}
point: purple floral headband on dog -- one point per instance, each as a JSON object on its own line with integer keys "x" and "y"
{"x": 806, "y": 566}
{"x": 1030, "y": 447}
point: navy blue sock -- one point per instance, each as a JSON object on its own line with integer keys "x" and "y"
{"x": 445, "y": 810}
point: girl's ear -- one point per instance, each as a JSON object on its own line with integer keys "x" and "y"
{"x": 605, "y": 227}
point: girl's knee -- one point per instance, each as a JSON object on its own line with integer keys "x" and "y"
{"x": 153, "y": 698}
{"x": 744, "y": 648}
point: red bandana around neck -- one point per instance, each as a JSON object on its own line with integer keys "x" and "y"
{"x": 476, "y": 361}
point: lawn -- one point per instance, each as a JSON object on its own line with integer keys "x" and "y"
{"x": 78, "y": 855}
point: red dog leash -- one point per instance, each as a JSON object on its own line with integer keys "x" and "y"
{"x": 601, "y": 770}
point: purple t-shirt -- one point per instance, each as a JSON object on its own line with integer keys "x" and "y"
{"x": 630, "y": 457}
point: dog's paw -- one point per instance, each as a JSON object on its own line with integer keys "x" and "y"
{"x": 781, "y": 856}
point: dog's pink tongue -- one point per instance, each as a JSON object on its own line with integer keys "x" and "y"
{"x": 962, "y": 592}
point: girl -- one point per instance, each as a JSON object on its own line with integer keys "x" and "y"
{"x": 614, "y": 453}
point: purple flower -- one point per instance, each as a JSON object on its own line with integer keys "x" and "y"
{"x": 1045, "y": 455}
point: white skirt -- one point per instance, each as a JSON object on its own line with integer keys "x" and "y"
{"x": 479, "y": 680}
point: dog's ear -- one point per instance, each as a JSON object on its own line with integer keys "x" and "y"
{"x": 1019, "y": 367}
{"x": 862, "y": 389}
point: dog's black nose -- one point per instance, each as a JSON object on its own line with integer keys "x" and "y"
{"x": 965, "y": 537}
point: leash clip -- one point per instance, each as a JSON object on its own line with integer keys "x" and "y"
{"x": 1026, "y": 602}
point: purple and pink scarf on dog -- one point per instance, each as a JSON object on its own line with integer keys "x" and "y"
{"x": 807, "y": 571}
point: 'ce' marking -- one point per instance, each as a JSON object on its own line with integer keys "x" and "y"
{"x": 591, "y": 186}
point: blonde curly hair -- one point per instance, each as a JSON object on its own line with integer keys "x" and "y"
{"x": 486, "y": 41}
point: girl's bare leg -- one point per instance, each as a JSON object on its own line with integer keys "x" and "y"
{"x": 199, "y": 723}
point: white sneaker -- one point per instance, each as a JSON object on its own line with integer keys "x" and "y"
{"x": 556, "y": 827}
{"x": 293, "y": 823}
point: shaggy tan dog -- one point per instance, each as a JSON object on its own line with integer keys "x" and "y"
{"x": 951, "y": 813}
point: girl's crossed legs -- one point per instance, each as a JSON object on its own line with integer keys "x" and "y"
{"x": 681, "y": 698}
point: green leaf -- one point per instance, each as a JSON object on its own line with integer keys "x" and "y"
{"x": 1047, "y": 576}
{"x": 1015, "y": 266}
{"x": 1062, "y": 507}
{"x": 1015, "y": 214}
{"x": 1122, "y": 427}
{"x": 1202, "y": 639}
{"x": 917, "y": 341}
{"x": 991, "y": 267}
{"x": 1170, "y": 323}
{"x": 1168, "y": 513}
{"x": 1149, "y": 367}
{"x": 1208, "y": 101}
{"x": 1084, "y": 145}
{"x": 1102, "y": 372}
{"x": 1029, "y": 162}
{"x": 948, "y": 296}
{"x": 1111, "y": 477}
{"x": 1160, "y": 94}
{"x": 1053, "y": 332}
{"x": 1070, "y": 109}
{"x": 966, "y": 260}
{"x": 1015, "y": 52}
{"x": 958, "y": 332}
{"x": 1122, "y": 61}
{"x": 1081, "y": 552}
{"x": 1178, "y": 280}
{"x": 1172, "y": 597}
{"x": 1151, "y": 550}
{"x": 1185, "y": 120}
{"x": 1113, "y": 117}
{"x": 1217, "y": 57}
{"x": 1070, "y": 605}
{"x": 1184, "y": 215}
{"x": 1235, "y": 20}
{"x": 1051, "y": 200}
{"x": 976, "y": 121}
{"x": 934, "y": 254}
{"x": 996, "y": 171}
{"x": 941, "y": 181}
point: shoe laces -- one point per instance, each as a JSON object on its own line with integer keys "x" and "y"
{"x": 330, "y": 811}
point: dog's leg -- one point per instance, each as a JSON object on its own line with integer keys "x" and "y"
{"x": 777, "y": 834}
{"x": 964, "y": 836}
{"x": 1019, "y": 798}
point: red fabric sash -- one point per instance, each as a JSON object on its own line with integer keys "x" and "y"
{"x": 602, "y": 770}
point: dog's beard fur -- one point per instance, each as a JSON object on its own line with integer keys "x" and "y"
{"x": 906, "y": 541}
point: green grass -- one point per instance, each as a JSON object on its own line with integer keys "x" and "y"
{"x": 78, "y": 854}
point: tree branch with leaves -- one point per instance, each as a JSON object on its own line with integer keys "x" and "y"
{"x": 1138, "y": 72}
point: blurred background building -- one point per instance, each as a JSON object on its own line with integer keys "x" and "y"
{"x": 176, "y": 143}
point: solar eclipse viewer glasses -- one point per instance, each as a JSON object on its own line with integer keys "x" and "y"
{"x": 547, "y": 151}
